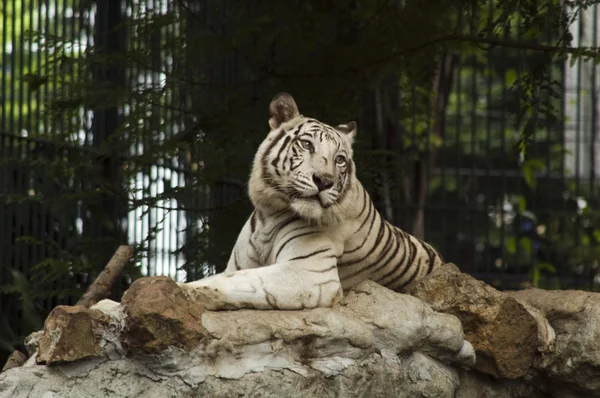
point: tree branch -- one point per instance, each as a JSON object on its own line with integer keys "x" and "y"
{"x": 492, "y": 42}
{"x": 101, "y": 287}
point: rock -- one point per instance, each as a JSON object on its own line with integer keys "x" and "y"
{"x": 32, "y": 341}
{"x": 371, "y": 319}
{"x": 158, "y": 315}
{"x": 477, "y": 385}
{"x": 376, "y": 376}
{"x": 70, "y": 334}
{"x": 574, "y": 362}
{"x": 376, "y": 343}
{"x": 16, "y": 359}
{"x": 402, "y": 322}
{"x": 507, "y": 335}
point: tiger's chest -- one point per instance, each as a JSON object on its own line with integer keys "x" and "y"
{"x": 268, "y": 241}
{"x": 290, "y": 235}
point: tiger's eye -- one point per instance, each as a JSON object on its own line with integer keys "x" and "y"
{"x": 306, "y": 145}
{"x": 340, "y": 160}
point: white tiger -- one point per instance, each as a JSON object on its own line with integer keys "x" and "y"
{"x": 314, "y": 231}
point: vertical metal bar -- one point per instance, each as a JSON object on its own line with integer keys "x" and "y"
{"x": 148, "y": 170}
{"x": 594, "y": 106}
{"x": 443, "y": 159}
{"x": 20, "y": 170}
{"x": 62, "y": 154}
{"x": 39, "y": 123}
{"x": 458, "y": 154}
{"x": 427, "y": 158}
{"x": 163, "y": 45}
{"x": 4, "y": 223}
{"x": 412, "y": 207}
{"x": 20, "y": 189}
{"x": 13, "y": 70}
{"x": 29, "y": 67}
{"x": 519, "y": 182}
{"x": 3, "y": 109}
{"x": 46, "y": 69}
{"x": 503, "y": 172}
{"x": 31, "y": 128}
{"x": 61, "y": 238}
{"x": 21, "y": 49}
{"x": 11, "y": 171}
{"x": 165, "y": 48}
{"x": 578, "y": 134}
{"x": 472, "y": 201}
{"x": 487, "y": 188}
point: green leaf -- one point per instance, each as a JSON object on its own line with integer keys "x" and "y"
{"x": 511, "y": 245}
{"x": 521, "y": 203}
{"x": 537, "y": 270}
{"x": 585, "y": 240}
{"x": 510, "y": 77}
{"x": 529, "y": 214}
{"x": 527, "y": 245}
{"x": 529, "y": 168}
{"x": 535, "y": 276}
{"x": 528, "y": 175}
{"x": 597, "y": 235}
{"x": 543, "y": 266}
{"x": 573, "y": 60}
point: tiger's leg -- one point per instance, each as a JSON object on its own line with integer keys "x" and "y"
{"x": 289, "y": 285}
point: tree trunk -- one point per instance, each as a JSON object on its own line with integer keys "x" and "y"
{"x": 381, "y": 140}
{"x": 442, "y": 83}
{"x": 105, "y": 224}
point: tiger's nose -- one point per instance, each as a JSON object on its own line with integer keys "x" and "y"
{"x": 322, "y": 182}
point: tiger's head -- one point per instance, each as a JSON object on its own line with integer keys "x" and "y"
{"x": 304, "y": 165}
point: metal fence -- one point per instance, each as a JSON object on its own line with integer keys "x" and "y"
{"x": 479, "y": 207}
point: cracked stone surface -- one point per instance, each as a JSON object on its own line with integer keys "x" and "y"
{"x": 72, "y": 333}
{"x": 159, "y": 343}
{"x": 375, "y": 343}
{"x": 532, "y": 342}
{"x": 508, "y": 334}
{"x": 573, "y": 363}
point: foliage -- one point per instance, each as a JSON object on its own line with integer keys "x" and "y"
{"x": 561, "y": 245}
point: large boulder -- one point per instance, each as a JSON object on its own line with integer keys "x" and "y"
{"x": 158, "y": 315}
{"x": 374, "y": 343}
{"x": 548, "y": 341}
{"x": 477, "y": 385}
{"x": 507, "y": 334}
{"x": 74, "y": 333}
{"x": 573, "y": 365}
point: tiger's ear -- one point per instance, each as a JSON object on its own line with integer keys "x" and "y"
{"x": 348, "y": 129}
{"x": 283, "y": 108}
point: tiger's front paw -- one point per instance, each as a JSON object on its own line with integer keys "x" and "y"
{"x": 209, "y": 297}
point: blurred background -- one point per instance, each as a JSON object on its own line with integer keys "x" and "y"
{"x": 135, "y": 122}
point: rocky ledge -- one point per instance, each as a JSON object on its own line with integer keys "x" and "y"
{"x": 159, "y": 342}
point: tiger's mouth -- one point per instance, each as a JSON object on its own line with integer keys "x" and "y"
{"x": 310, "y": 199}
{"x": 315, "y": 198}
{"x": 318, "y": 199}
